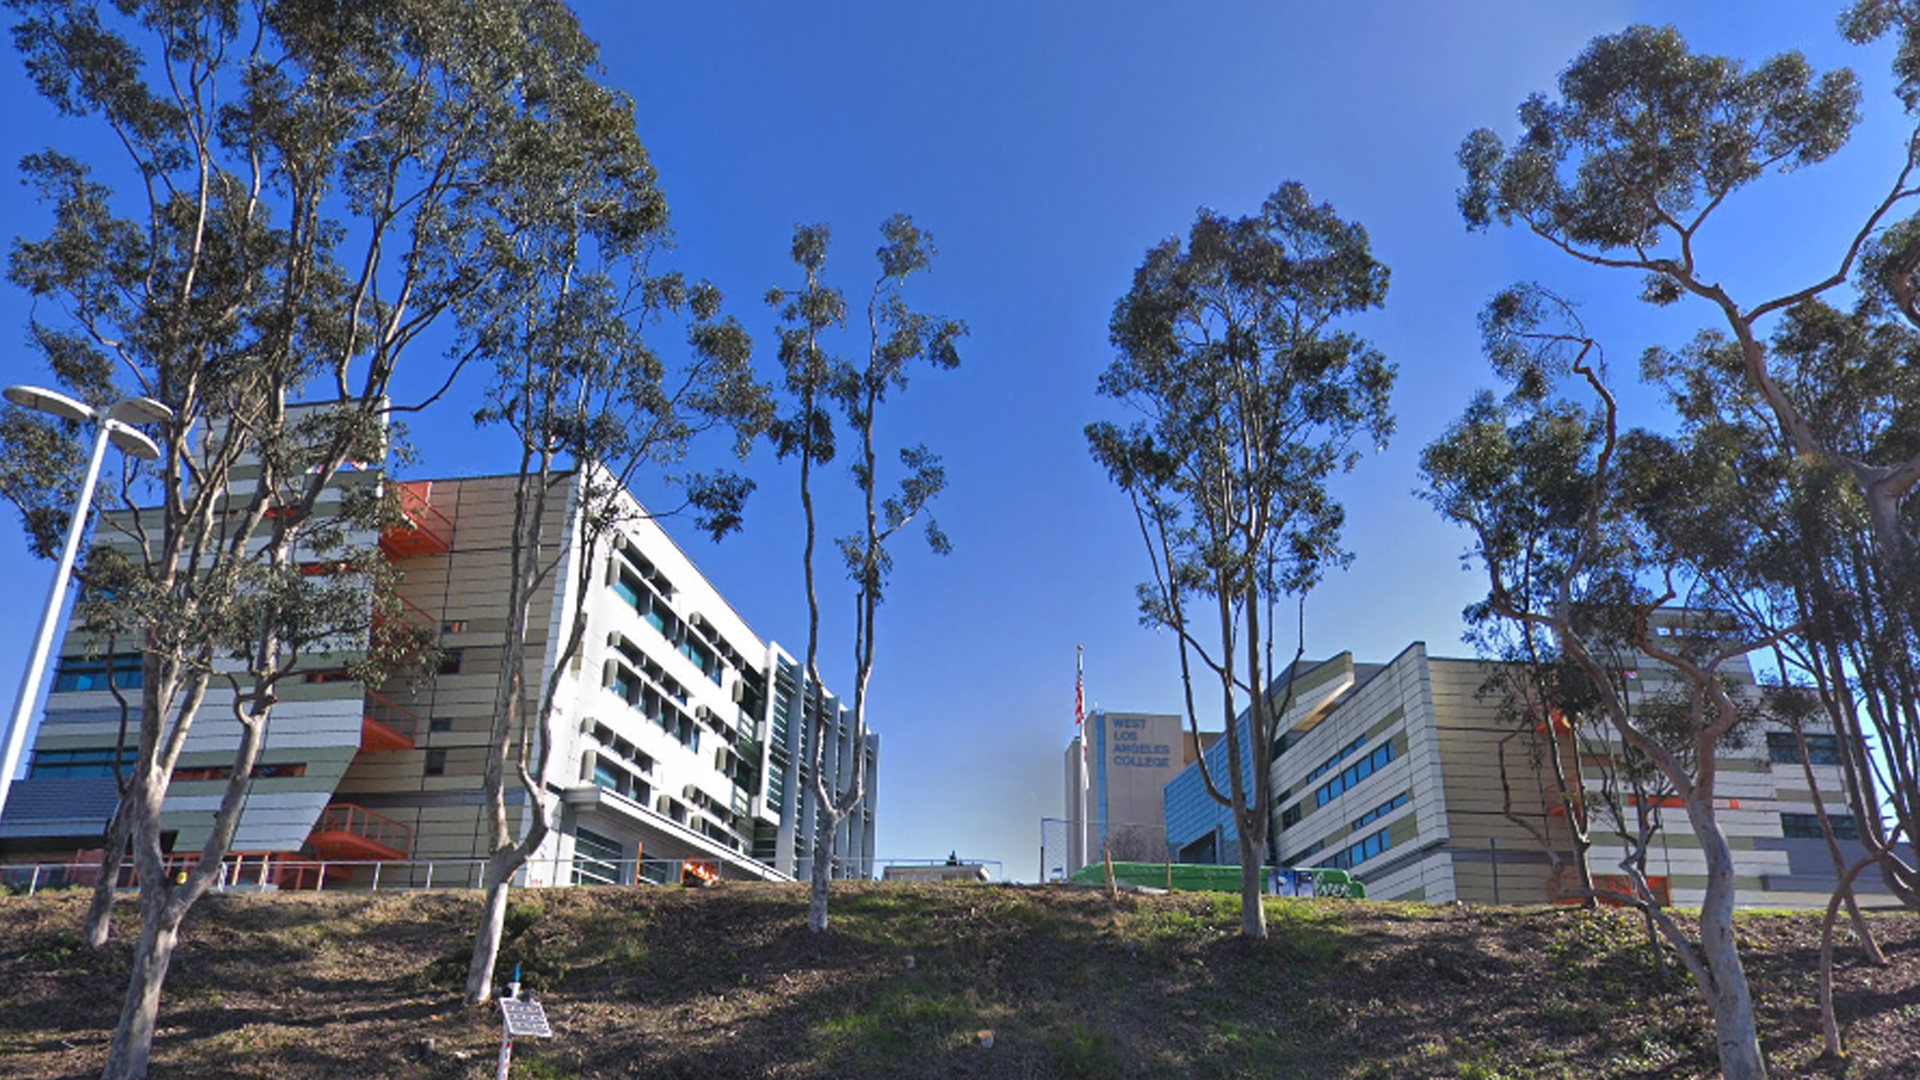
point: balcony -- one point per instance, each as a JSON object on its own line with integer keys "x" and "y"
{"x": 421, "y": 530}
{"x": 386, "y": 726}
{"x": 355, "y": 834}
{"x": 406, "y": 633}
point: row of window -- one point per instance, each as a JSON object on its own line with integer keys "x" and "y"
{"x": 1354, "y": 854}
{"x": 78, "y": 673}
{"x": 1326, "y": 766}
{"x": 652, "y": 704}
{"x": 276, "y": 771}
{"x": 51, "y": 763}
{"x": 1807, "y": 826}
{"x": 661, "y": 616}
{"x": 607, "y": 773}
{"x": 1783, "y": 748}
{"x": 48, "y": 764}
{"x": 1354, "y": 773}
{"x": 1380, "y": 811}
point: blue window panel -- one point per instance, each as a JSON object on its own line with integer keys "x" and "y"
{"x": 79, "y": 673}
{"x": 628, "y": 593}
{"x": 1380, "y": 811}
{"x": 1353, "y": 774}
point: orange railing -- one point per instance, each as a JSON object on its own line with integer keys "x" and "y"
{"x": 395, "y": 635}
{"x": 344, "y": 823}
{"x": 422, "y": 529}
{"x": 387, "y": 726}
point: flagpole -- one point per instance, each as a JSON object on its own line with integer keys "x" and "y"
{"x": 1079, "y": 723}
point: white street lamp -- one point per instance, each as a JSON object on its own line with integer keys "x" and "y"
{"x": 116, "y": 428}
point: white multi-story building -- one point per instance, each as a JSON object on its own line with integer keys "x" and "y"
{"x": 676, "y": 735}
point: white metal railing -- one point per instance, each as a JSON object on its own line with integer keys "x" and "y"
{"x": 254, "y": 873}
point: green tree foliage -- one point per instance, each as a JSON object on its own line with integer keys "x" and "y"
{"x": 562, "y": 323}
{"x": 818, "y": 385}
{"x": 1578, "y": 528}
{"x": 1624, "y": 170}
{"x": 1251, "y": 397}
{"x": 301, "y": 192}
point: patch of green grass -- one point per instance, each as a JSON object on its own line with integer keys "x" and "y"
{"x": 55, "y": 948}
{"x": 1085, "y": 1053}
{"x": 899, "y": 1020}
{"x": 899, "y": 918}
{"x": 1573, "y": 1013}
{"x": 1251, "y": 1051}
{"x": 1205, "y": 915}
{"x": 1607, "y": 953}
{"x": 522, "y": 946}
{"x": 1310, "y": 933}
{"x": 533, "y": 1068}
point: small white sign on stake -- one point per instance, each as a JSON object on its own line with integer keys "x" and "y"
{"x": 523, "y": 1019}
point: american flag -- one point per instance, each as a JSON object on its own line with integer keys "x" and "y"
{"x": 1080, "y": 708}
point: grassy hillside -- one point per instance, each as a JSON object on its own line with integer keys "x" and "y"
{"x": 932, "y": 981}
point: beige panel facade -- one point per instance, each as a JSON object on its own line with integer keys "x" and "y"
{"x": 1417, "y": 780}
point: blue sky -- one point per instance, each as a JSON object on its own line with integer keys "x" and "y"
{"x": 1046, "y": 146}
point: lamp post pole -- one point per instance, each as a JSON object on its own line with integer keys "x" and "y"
{"x": 112, "y": 428}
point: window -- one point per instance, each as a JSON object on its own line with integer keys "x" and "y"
{"x": 1290, "y": 816}
{"x": 1807, "y": 826}
{"x": 1354, "y": 773}
{"x": 625, "y": 590}
{"x": 454, "y": 626}
{"x": 51, "y": 763}
{"x": 328, "y": 675}
{"x": 1380, "y": 811}
{"x": 702, "y": 658}
{"x": 275, "y": 771}
{"x": 1355, "y": 854}
{"x": 597, "y": 859}
{"x": 1326, "y": 766}
{"x": 79, "y": 673}
{"x": 450, "y": 661}
{"x": 1783, "y": 748}
{"x": 439, "y": 724}
{"x": 436, "y": 763}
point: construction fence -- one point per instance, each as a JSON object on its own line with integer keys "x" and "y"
{"x": 1139, "y": 855}
{"x": 272, "y": 873}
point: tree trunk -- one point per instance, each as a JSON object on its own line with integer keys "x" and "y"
{"x": 1728, "y": 996}
{"x": 132, "y": 1048}
{"x": 823, "y": 847}
{"x": 1253, "y": 914}
{"x": 486, "y": 939}
{"x": 99, "y": 925}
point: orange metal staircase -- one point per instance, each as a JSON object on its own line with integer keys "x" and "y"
{"x": 355, "y": 834}
{"x": 386, "y": 726}
{"x": 422, "y": 530}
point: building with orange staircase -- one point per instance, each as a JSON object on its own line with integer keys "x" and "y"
{"x": 677, "y": 741}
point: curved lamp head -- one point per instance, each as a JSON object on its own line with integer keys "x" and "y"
{"x": 49, "y": 402}
{"x": 132, "y": 442}
{"x": 139, "y": 410}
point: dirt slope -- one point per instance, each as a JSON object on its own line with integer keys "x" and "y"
{"x": 932, "y": 981}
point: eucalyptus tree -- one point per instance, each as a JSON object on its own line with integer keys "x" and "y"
{"x": 1572, "y": 520}
{"x": 898, "y": 341}
{"x": 1787, "y": 536}
{"x": 1646, "y": 143}
{"x": 1251, "y": 397}
{"x": 287, "y": 199}
{"x": 591, "y": 406}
